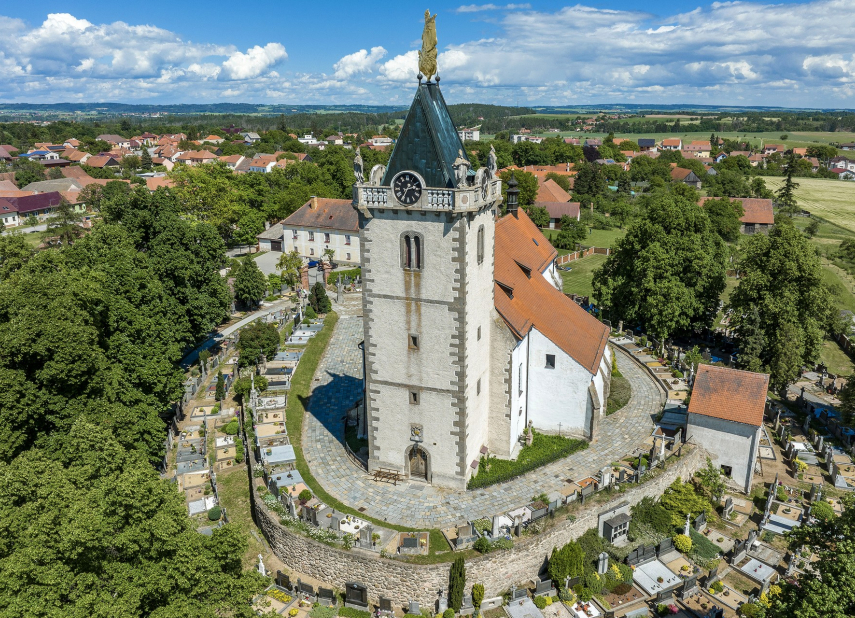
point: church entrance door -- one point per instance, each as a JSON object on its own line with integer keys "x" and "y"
{"x": 418, "y": 463}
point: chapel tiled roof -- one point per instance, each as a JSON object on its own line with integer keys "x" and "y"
{"x": 730, "y": 394}
{"x": 327, "y": 213}
{"x": 525, "y": 299}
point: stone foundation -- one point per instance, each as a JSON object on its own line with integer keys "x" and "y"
{"x": 498, "y": 571}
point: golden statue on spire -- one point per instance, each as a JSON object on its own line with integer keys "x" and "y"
{"x": 427, "y": 55}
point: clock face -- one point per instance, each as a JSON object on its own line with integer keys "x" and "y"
{"x": 407, "y": 188}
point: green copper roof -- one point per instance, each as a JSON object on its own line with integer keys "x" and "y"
{"x": 429, "y": 142}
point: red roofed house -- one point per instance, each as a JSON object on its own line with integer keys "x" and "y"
{"x": 757, "y": 214}
{"x": 726, "y": 418}
{"x": 672, "y": 144}
{"x": 681, "y": 174}
{"x": 319, "y": 224}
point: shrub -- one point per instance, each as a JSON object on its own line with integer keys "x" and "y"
{"x": 477, "y": 595}
{"x": 594, "y": 583}
{"x": 717, "y": 587}
{"x": 305, "y": 495}
{"x": 215, "y": 513}
{"x": 702, "y": 547}
{"x": 320, "y": 611}
{"x": 676, "y": 374}
{"x": 456, "y": 584}
{"x": 448, "y": 613}
{"x": 349, "y": 612}
{"x": 662, "y": 610}
{"x": 309, "y": 313}
{"x": 781, "y": 494}
{"x": 540, "y": 602}
{"x": 293, "y": 612}
{"x": 279, "y": 595}
{"x": 584, "y": 594}
{"x": 822, "y": 510}
{"x": 239, "y": 450}
{"x": 231, "y": 428}
{"x": 751, "y": 610}
{"x": 482, "y": 545}
{"x": 683, "y": 543}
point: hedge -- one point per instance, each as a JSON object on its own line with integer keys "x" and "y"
{"x": 702, "y": 546}
{"x": 349, "y": 612}
{"x": 336, "y": 275}
{"x": 544, "y": 449}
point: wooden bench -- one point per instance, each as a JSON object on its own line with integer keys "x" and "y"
{"x": 386, "y": 474}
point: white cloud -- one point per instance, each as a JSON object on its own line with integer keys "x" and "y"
{"x": 475, "y": 8}
{"x": 359, "y": 62}
{"x": 255, "y": 61}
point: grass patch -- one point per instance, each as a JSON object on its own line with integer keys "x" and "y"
{"x": 233, "y": 491}
{"x": 837, "y": 361}
{"x": 833, "y": 200}
{"x": 619, "y": 393}
{"x": 702, "y": 546}
{"x": 353, "y": 442}
{"x": 544, "y": 449}
{"x": 578, "y": 279}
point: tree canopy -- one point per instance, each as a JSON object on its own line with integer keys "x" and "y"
{"x": 668, "y": 272}
{"x": 782, "y": 300}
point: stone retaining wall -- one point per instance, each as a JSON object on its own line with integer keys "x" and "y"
{"x": 401, "y": 581}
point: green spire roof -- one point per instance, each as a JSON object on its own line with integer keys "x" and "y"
{"x": 429, "y": 142}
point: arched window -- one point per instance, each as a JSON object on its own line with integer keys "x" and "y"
{"x": 480, "y": 244}
{"x": 412, "y": 251}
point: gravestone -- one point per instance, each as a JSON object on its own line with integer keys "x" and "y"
{"x": 467, "y": 603}
{"x": 386, "y": 606}
{"x": 664, "y": 595}
{"x": 813, "y": 492}
{"x": 621, "y": 475}
{"x": 441, "y": 605}
{"x": 714, "y": 572}
{"x": 678, "y": 437}
{"x": 791, "y": 565}
{"x": 778, "y": 419}
{"x": 365, "y": 540}
{"x": 409, "y": 545}
{"x": 602, "y": 563}
{"x": 820, "y": 441}
{"x": 690, "y": 584}
{"x": 517, "y": 525}
{"x": 335, "y": 523}
{"x": 605, "y": 477}
{"x": 752, "y": 536}
{"x": 495, "y": 530}
{"x": 283, "y": 581}
{"x": 728, "y": 508}
{"x": 701, "y": 522}
{"x": 307, "y": 590}
{"x": 520, "y": 593}
{"x": 610, "y": 613}
{"x": 571, "y": 581}
{"x": 413, "y": 608}
{"x": 326, "y": 596}
{"x": 543, "y": 586}
{"x": 356, "y": 596}
{"x": 666, "y": 545}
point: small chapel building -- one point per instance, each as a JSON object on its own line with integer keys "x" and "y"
{"x": 468, "y": 337}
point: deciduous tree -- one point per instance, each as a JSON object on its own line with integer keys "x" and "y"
{"x": 250, "y": 283}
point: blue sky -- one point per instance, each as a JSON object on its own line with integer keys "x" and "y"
{"x": 549, "y": 53}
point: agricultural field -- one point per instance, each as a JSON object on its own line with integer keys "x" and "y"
{"x": 832, "y": 200}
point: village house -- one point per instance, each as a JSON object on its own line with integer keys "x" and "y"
{"x": 250, "y": 137}
{"x": 688, "y": 177}
{"x": 671, "y": 144}
{"x": 726, "y": 417}
{"x": 469, "y": 135}
{"x": 647, "y": 144}
{"x": 196, "y": 157}
{"x": 321, "y": 223}
{"x": 757, "y": 217}
{"x": 115, "y": 140}
{"x": 380, "y": 140}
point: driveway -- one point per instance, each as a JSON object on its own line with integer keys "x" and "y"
{"x": 267, "y": 262}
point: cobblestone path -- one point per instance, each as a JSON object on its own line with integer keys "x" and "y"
{"x": 338, "y": 385}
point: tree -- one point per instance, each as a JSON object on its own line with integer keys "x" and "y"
{"x": 812, "y": 228}
{"x": 668, "y": 272}
{"x": 724, "y": 215}
{"x": 242, "y": 387}
{"x": 681, "y": 499}
{"x": 538, "y": 215}
{"x": 786, "y": 195}
{"x": 572, "y": 232}
{"x": 569, "y": 561}
{"x": 318, "y": 298}
{"x": 712, "y": 481}
{"x": 781, "y": 283}
{"x": 112, "y": 502}
{"x": 250, "y": 283}
{"x": 456, "y": 583}
{"x": 527, "y": 185}
{"x": 328, "y": 255}
{"x": 249, "y": 226}
{"x": 289, "y": 264}
{"x": 827, "y": 587}
{"x": 65, "y": 222}
{"x": 758, "y": 189}
{"x": 145, "y": 159}
{"x": 256, "y": 339}
{"x": 621, "y": 209}
{"x": 221, "y": 386}
{"x": 753, "y": 342}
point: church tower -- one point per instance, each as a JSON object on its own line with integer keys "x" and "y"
{"x": 426, "y": 224}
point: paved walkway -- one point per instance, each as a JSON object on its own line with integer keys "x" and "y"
{"x": 338, "y": 384}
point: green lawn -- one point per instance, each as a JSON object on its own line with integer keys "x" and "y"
{"x": 233, "y": 491}
{"x": 578, "y": 279}
{"x": 837, "y": 361}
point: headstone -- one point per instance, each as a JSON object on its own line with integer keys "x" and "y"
{"x": 385, "y": 605}
{"x": 414, "y": 609}
{"x": 701, "y": 522}
{"x": 520, "y": 593}
{"x": 517, "y": 525}
{"x": 791, "y": 565}
{"x": 621, "y": 475}
{"x": 365, "y": 536}
{"x": 690, "y": 584}
{"x": 355, "y": 595}
{"x": 663, "y": 595}
{"x": 543, "y": 586}
{"x": 495, "y": 530}
{"x": 467, "y": 602}
{"x": 261, "y": 568}
{"x": 678, "y": 437}
{"x": 306, "y": 589}
{"x": 728, "y": 508}
{"x": 813, "y": 492}
{"x": 603, "y": 563}
{"x": 441, "y": 605}
{"x": 282, "y": 580}
{"x": 662, "y": 449}
{"x": 326, "y": 596}
{"x": 410, "y": 542}
{"x": 752, "y": 535}
{"x": 666, "y": 545}
{"x": 778, "y": 419}
{"x": 605, "y": 477}
{"x": 687, "y": 528}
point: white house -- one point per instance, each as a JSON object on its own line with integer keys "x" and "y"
{"x": 250, "y": 137}
{"x": 320, "y": 224}
{"x": 726, "y": 418}
{"x": 469, "y": 135}
{"x": 380, "y": 140}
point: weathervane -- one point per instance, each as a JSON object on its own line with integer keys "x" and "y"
{"x": 427, "y": 54}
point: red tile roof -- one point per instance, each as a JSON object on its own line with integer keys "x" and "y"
{"x": 756, "y": 210}
{"x": 557, "y": 210}
{"x": 730, "y": 394}
{"x": 680, "y": 173}
{"x": 328, "y": 213}
{"x": 549, "y": 191}
{"x": 527, "y": 299}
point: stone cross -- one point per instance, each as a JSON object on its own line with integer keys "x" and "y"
{"x": 728, "y": 508}
{"x": 791, "y": 565}
{"x": 261, "y": 568}
{"x": 820, "y": 440}
{"x": 603, "y": 563}
{"x": 752, "y": 535}
{"x": 687, "y": 528}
